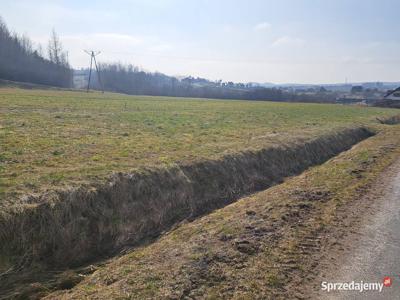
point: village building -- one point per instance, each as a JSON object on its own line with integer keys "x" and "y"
{"x": 393, "y": 95}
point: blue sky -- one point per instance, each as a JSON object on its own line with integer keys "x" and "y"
{"x": 302, "y": 41}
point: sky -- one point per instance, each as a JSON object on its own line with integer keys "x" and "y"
{"x": 279, "y": 41}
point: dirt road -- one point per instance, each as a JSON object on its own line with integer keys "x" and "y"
{"x": 375, "y": 249}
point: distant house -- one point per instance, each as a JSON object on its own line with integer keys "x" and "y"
{"x": 393, "y": 95}
{"x": 357, "y": 89}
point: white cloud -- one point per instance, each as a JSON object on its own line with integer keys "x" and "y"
{"x": 372, "y": 45}
{"x": 118, "y": 38}
{"x": 161, "y": 48}
{"x": 113, "y": 46}
{"x": 356, "y": 60}
{"x": 102, "y": 41}
{"x": 287, "y": 41}
{"x": 262, "y": 26}
{"x": 227, "y": 28}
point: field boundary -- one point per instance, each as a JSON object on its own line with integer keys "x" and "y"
{"x": 69, "y": 228}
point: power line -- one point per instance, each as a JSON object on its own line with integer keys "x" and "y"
{"x": 93, "y": 55}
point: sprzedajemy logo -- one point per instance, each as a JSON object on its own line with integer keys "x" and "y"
{"x": 359, "y": 286}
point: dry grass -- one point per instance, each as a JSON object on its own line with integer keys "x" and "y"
{"x": 263, "y": 246}
{"x": 51, "y": 139}
{"x": 72, "y": 227}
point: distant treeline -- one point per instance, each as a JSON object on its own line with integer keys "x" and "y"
{"x": 131, "y": 80}
{"x": 19, "y": 61}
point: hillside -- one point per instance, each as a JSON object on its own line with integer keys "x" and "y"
{"x": 19, "y": 61}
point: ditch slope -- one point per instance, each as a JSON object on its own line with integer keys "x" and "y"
{"x": 266, "y": 246}
{"x": 68, "y": 228}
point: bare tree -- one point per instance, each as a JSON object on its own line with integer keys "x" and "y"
{"x": 19, "y": 61}
{"x": 55, "y": 50}
{"x": 39, "y": 50}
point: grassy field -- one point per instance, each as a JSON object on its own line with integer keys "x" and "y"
{"x": 52, "y": 139}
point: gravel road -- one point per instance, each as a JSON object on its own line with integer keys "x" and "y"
{"x": 377, "y": 251}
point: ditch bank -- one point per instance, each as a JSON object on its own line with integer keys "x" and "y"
{"x": 69, "y": 228}
{"x": 390, "y": 120}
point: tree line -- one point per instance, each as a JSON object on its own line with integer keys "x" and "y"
{"x": 130, "y": 79}
{"x": 19, "y": 61}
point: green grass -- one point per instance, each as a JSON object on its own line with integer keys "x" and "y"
{"x": 54, "y": 139}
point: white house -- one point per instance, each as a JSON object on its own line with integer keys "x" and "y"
{"x": 393, "y": 95}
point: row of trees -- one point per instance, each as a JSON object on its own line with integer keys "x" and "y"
{"x": 19, "y": 61}
{"x": 132, "y": 80}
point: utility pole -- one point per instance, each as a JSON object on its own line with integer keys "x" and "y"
{"x": 93, "y": 55}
